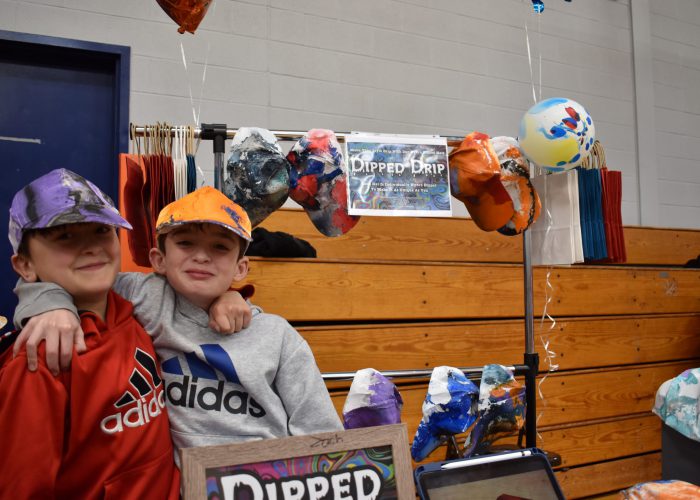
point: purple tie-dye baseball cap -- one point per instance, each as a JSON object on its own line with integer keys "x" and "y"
{"x": 57, "y": 198}
{"x": 372, "y": 400}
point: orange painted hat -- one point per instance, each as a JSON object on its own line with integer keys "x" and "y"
{"x": 475, "y": 180}
{"x": 209, "y": 205}
{"x": 515, "y": 177}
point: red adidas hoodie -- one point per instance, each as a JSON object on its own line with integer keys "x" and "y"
{"x": 99, "y": 430}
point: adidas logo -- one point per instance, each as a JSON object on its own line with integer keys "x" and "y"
{"x": 146, "y": 391}
{"x": 189, "y": 394}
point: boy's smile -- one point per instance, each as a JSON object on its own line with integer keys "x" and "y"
{"x": 200, "y": 261}
{"x": 199, "y": 274}
{"x": 83, "y": 258}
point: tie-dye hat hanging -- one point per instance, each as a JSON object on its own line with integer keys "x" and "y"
{"x": 318, "y": 182}
{"x": 449, "y": 408}
{"x": 372, "y": 400}
{"x": 475, "y": 180}
{"x": 677, "y": 403}
{"x": 501, "y": 410}
{"x": 515, "y": 177}
{"x": 257, "y": 173}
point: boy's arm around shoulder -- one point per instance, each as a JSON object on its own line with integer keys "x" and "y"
{"x": 154, "y": 301}
{"x": 130, "y": 285}
{"x": 38, "y": 298}
{"x": 149, "y": 293}
{"x": 46, "y": 312}
{"x": 32, "y": 416}
{"x": 49, "y": 314}
{"x": 302, "y": 389}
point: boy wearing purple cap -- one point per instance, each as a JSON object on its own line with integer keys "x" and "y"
{"x": 60, "y": 434}
{"x": 261, "y": 383}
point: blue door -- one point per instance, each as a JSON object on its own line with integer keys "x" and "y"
{"x": 63, "y": 103}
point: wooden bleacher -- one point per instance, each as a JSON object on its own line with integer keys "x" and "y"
{"x": 410, "y": 293}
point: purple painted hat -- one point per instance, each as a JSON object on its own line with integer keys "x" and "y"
{"x": 372, "y": 400}
{"x": 60, "y": 197}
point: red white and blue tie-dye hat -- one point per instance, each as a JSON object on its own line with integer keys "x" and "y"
{"x": 57, "y": 198}
{"x": 449, "y": 408}
{"x": 318, "y": 182}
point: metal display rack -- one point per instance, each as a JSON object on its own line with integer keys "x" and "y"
{"x": 218, "y": 133}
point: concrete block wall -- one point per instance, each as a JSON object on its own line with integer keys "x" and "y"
{"x": 402, "y": 66}
{"x": 675, "y": 30}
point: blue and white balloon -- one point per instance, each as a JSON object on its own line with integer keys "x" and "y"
{"x": 557, "y": 134}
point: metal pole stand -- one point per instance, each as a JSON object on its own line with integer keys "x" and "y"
{"x": 532, "y": 358}
{"x": 217, "y": 133}
{"x": 452, "y": 450}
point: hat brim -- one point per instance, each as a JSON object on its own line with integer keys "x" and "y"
{"x": 86, "y": 214}
{"x": 492, "y": 207}
{"x": 167, "y": 227}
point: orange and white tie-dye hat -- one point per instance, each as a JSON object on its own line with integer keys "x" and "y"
{"x": 205, "y": 205}
{"x": 515, "y": 177}
{"x": 475, "y": 180}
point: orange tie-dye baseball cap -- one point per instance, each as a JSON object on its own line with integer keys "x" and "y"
{"x": 209, "y": 205}
{"x": 475, "y": 180}
{"x": 515, "y": 177}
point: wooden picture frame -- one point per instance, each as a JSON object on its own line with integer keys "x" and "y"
{"x": 367, "y": 463}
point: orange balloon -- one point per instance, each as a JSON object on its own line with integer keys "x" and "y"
{"x": 186, "y": 13}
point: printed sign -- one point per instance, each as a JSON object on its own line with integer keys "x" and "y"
{"x": 398, "y": 175}
{"x": 367, "y": 464}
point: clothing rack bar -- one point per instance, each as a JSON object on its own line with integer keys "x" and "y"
{"x": 420, "y": 374}
{"x": 283, "y": 135}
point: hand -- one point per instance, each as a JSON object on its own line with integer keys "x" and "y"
{"x": 229, "y": 313}
{"x": 61, "y": 331}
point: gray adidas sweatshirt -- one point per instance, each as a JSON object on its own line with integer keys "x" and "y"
{"x": 259, "y": 383}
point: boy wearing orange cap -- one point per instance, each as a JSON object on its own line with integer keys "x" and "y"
{"x": 260, "y": 383}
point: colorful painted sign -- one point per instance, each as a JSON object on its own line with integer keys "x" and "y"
{"x": 398, "y": 175}
{"x": 368, "y": 463}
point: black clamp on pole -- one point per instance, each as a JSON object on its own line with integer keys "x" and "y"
{"x": 217, "y": 133}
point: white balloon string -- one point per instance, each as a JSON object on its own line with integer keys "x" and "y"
{"x": 529, "y": 60}
{"x": 199, "y": 110}
{"x": 549, "y": 354}
{"x": 212, "y": 13}
{"x": 196, "y": 110}
{"x": 536, "y": 89}
{"x": 539, "y": 51}
{"x": 201, "y": 89}
{"x": 189, "y": 84}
